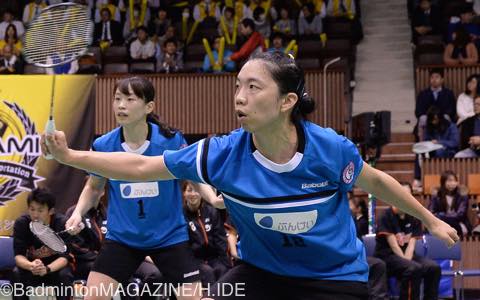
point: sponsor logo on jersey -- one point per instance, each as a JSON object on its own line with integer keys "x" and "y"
{"x": 291, "y": 223}
{"x": 139, "y": 190}
{"x": 314, "y": 185}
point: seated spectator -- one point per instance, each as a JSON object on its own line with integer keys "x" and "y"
{"x": 11, "y": 38}
{"x": 138, "y": 16}
{"x": 170, "y": 59}
{"x": 228, "y": 18}
{"x": 461, "y": 51}
{"x": 277, "y": 43}
{"x": 470, "y": 133}
{"x": 449, "y": 205}
{"x": 341, "y": 8}
{"x": 262, "y": 25}
{"x": 171, "y": 33}
{"x": 359, "y": 210}
{"x": 207, "y": 12}
{"x": 112, "y": 8}
{"x": 32, "y": 9}
{"x": 440, "y": 130}
{"x": 397, "y": 234}
{"x": 254, "y": 41}
{"x": 239, "y": 9}
{"x": 265, "y": 4}
{"x": 8, "y": 18}
{"x": 466, "y": 21}
{"x": 227, "y": 64}
{"x": 158, "y": 26}
{"x": 465, "y": 99}
{"x": 107, "y": 32}
{"x": 142, "y": 48}
{"x": 309, "y": 23}
{"x": 426, "y": 20}
{"x": 36, "y": 264}
{"x": 285, "y": 25}
{"x": 10, "y": 63}
{"x": 207, "y": 235}
{"x": 437, "y": 95}
{"x": 320, "y": 8}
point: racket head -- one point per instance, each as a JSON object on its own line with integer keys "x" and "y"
{"x": 59, "y": 34}
{"x": 47, "y": 236}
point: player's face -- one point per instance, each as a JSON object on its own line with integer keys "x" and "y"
{"x": 192, "y": 196}
{"x": 130, "y": 109}
{"x": 39, "y": 212}
{"x": 257, "y": 104}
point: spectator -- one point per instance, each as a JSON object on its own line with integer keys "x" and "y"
{"x": 285, "y": 25}
{"x": 254, "y": 41}
{"x": 239, "y": 9}
{"x": 107, "y": 32}
{"x": 397, "y": 233}
{"x": 227, "y": 65}
{"x": 360, "y": 215}
{"x": 32, "y": 9}
{"x": 228, "y": 16}
{"x": 465, "y": 100}
{"x": 170, "y": 60}
{"x": 37, "y": 264}
{"x": 159, "y": 25}
{"x": 171, "y": 33}
{"x": 341, "y": 8}
{"x": 136, "y": 17}
{"x": 309, "y": 24}
{"x": 470, "y": 133}
{"x": 142, "y": 48}
{"x": 265, "y": 4}
{"x": 206, "y": 11}
{"x": 277, "y": 42}
{"x": 461, "y": 51}
{"x": 466, "y": 18}
{"x": 320, "y": 8}
{"x": 449, "y": 205}
{"x": 437, "y": 95}
{"x": 207, "y": 235}
{"x": 441, "y": 131}
{"x": 10, "y": 63}
{"x": 8, "y": 18}
{"x": 262, "y": 25}
{"x": 112, "y": 8}
{"x": 11, "y": 38}
{"x": 426, "y": 20}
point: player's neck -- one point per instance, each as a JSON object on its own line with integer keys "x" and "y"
{"x": 278, "y": 143}
{"x": 135, "y": 134}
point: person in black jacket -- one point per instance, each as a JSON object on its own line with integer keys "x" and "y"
{"x": 36, "y": 264}
{"x": 435, "y": 95}
{"x": 107, "y": 30}
{"x": 470, "y": 133}
{"x": 207, "y": 235}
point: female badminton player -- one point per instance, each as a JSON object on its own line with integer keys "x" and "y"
{"x": 144, "y": 218}
{"x": 285, "y": 183}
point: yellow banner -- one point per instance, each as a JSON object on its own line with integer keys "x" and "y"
{"x": 24, "y": 109}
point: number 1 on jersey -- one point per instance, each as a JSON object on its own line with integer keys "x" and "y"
{"x": 141, "y": 212}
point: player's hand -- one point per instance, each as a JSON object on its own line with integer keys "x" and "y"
{"x": 219, "y": 202}
{"x": 74, "y": 224}
{"x": 57, "y": 145}
{"x": 444, "y": 232}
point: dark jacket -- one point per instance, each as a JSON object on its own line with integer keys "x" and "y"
{"x": 115, "y": 32}
{"x": 207, "y": 234}
{"x": 446, "y": 102}
{"x": 460, "y": 205}
{"x": 466, "y": 131}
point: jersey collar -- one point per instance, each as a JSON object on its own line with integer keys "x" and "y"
{"x": 142, "y": 148}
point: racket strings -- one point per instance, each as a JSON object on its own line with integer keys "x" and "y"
{"x": 47, "y": 236}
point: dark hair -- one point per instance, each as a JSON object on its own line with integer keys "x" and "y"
{"x": 257, "y": 12}
{"x": 106, "y": 9}
{"x": 438, "y": 71}
{"x": 278, "y": 35}
{"x": 462, "y": 37}
{"x": 41, "y": 196}
{"x": 470, "y": 78}
{"x": 230, "y": 9}
{"x": 290, "y": 79}
{"x": 144, "y": 89}
{"x": 442, "y": 125}
{"x": 443, "y": 192}
{"x": 170, "y": 40}
{"x": 248, "y": 23}
{"x": 142, "y": 28}
{"x": 15, "y": 36}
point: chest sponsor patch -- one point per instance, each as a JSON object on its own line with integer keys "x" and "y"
{"x": 291, "y": 223}
{"x": 139, "y": 190}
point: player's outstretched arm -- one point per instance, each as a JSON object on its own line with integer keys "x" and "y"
{"x": 115, "y": 165}
{"x": 385, "y": 187}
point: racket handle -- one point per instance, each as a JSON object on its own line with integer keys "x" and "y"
{"x": 49, "y": 129}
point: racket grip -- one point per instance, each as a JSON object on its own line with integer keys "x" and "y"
{"x": 49, "y": 129}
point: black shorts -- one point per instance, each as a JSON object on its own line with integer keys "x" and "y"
{"x": 176, "y": 262}
{"x": 247, "y": 282}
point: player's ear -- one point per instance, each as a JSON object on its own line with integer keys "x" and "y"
{"x": 289, "y": 102}
{"x": 150, "y": 106}
{"x": 51, "y": 211}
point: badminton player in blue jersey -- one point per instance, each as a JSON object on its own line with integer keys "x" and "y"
{"x": 145, "y": 218}
{"x": 284, "y": 181}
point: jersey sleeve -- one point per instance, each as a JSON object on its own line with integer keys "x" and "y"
{"x": 351, "y": 164}
{"x": 185, "y": 163}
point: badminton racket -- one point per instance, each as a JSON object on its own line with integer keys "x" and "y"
{"x": 50, "y": 238}
{"x": 59, "y": 34}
